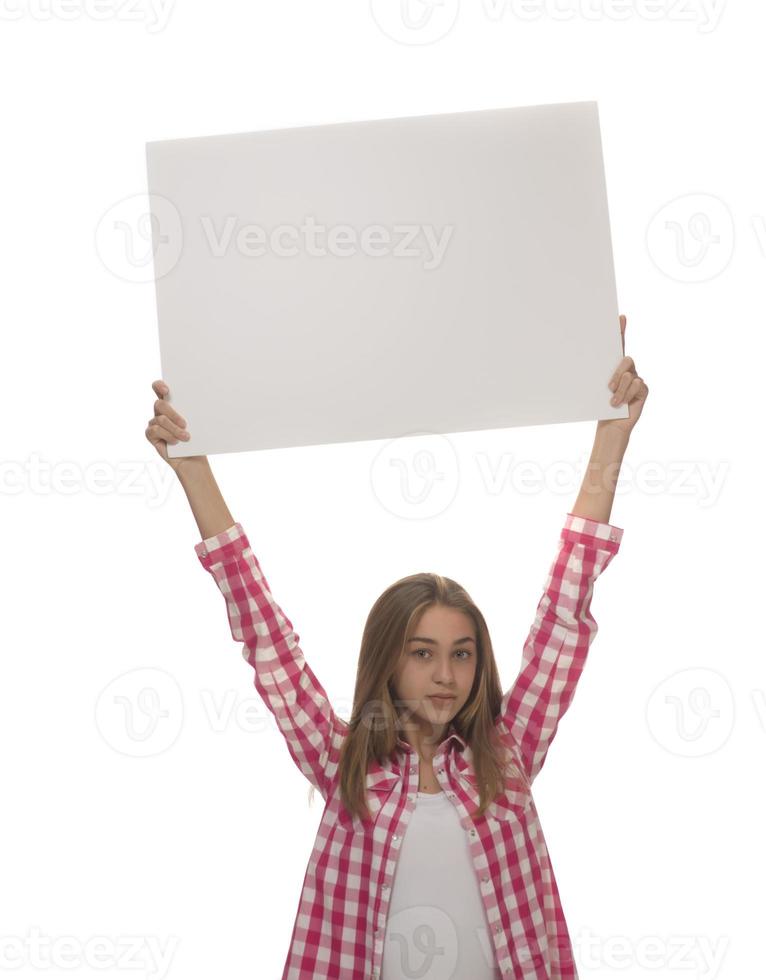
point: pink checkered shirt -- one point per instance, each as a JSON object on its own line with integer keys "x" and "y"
{"x": 340, "y": 923}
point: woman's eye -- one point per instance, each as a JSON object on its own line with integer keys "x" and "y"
{"x": 423, "y": 650}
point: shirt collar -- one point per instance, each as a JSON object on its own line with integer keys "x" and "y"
{"x": 451, "y": 736}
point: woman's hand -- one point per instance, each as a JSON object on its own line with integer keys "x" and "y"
{"x": 628, "y": 388}
{"x": 167, "y": 426}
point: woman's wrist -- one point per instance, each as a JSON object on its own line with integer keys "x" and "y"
{"x": 611, "y": 436}
{"x": 204, "y": 496}
{"x": 596, "y": 495}
{"x": 191, "y": 468}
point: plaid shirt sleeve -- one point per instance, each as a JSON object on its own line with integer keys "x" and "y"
{"x": 559, "y": 639}
{"x": 283, "y": 679}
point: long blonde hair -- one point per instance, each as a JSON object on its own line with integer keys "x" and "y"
{"x": 374, "y": 727}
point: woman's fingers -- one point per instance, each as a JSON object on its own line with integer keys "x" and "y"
{"x": 160, "y": 388}
{"x": 634, "y": 390}
{"x": 156, "y": 439}
{"x": 630, "y": 387}
{"x": 157, "y": 434}
{"x": 167, "y": 427}
{"x": 161, "y": 407}
{"x": 171, "y": 428}
{"x": 622, "y": 388}
{"x": 626, "y": 364}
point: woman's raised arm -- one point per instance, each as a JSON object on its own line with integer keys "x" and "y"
{"x": 563, "y": 630}
{"x": 284, "y": 680}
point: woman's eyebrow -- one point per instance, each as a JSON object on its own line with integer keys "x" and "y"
{"x": 426, "y": 639}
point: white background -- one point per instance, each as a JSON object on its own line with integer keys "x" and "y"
{"x": 179, "y": 821}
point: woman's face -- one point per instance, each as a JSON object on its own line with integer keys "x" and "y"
{"x": 440, "y": 658}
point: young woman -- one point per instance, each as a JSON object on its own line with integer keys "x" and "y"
{"x": 429, "y": 860}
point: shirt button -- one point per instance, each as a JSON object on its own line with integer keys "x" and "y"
{"x": 395, "y": 837}
{"x": 412, "y": 769}
{"x": 498, "y": 928}
{"x": 613, "y": 536}
{"x": 203, "y": 554}
{"x": 485, "y": 878}
{"x": 472, "y": 832}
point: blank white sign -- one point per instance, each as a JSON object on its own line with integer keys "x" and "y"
{"x": 386, "y": 278}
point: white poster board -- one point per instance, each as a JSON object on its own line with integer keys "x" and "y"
{"x": 380, "y": 279}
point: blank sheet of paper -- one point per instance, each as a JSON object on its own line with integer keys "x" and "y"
{"x": 380, "y": 279}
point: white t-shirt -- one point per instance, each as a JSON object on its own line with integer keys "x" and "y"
{"x": 437, "y": 927}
